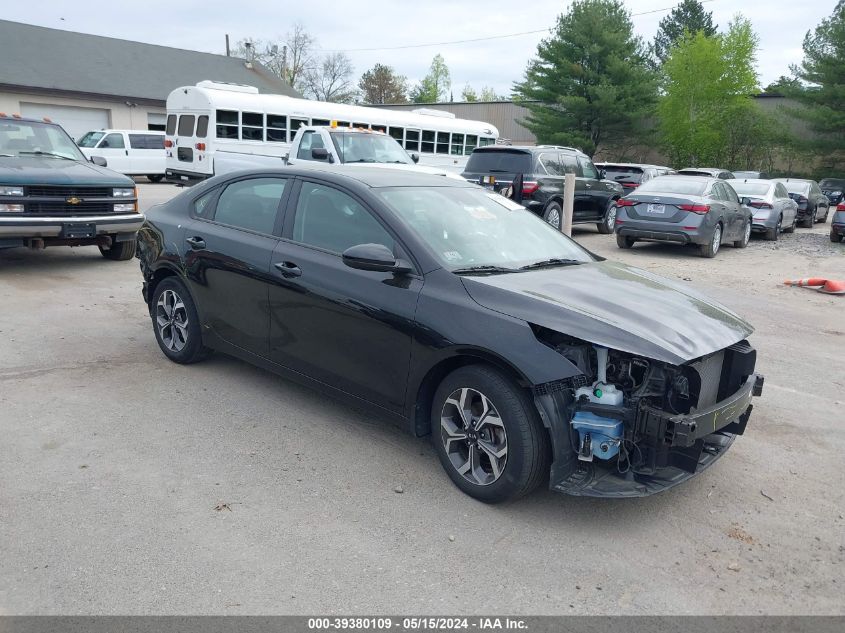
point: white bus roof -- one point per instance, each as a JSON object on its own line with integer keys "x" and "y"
{"x": 210, "y": 95}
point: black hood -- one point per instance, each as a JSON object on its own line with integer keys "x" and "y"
{"x": 43, "y": 170}
{"x": 615, "y": 306}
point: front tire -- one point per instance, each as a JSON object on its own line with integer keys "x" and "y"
{"x": 553, "y": 214}
{"x": 155, "y": 177}
{"x": 119, "y": 251}
{"x": 607, "y": 225}
{"x": 176, "y": 324}
{"x": 824, "y": 217}
{"x": 488, "y": 435}
{"x": 710, "y": 249}
{"x": 624, "y": 242}
{"x": 835, "y": 238}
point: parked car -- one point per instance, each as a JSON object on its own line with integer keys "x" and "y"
{"x": 755, "y": 175}
{"x": 662, "y": 170}
{"x": 772, "y": 208}
{"x": 707, "y": 172}
{"x": 837, "y": 225}
{"x": 686, "y": 210}
{"x": 51, "y": 195}
{"x": 833, "y": 188}
{"x": 629, "y": 175}
{"x": 455, "y": 312}
{"x": 543, "y": 169}
{"x": 813, "y": 205}
{"x": 130, "y": 152}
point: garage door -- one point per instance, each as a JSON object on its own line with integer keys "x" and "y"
{"x": 74, "y": 119}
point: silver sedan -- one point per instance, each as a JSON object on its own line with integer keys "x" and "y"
{"x": 773, "y": 210}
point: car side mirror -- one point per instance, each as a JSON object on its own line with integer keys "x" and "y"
{"x": 320, "y": 153}
{"x": 602, "y": 174}
{"x": 745, "y": 201}
{"x": 99, "y": 161}
{"x": 415, "y": 157}
{"x": 374, "y": 257}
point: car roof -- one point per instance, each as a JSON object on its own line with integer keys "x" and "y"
{"x": 25, "y": 119}
{"x": 612, "y": 164}
{"x": 373, "y": 177}
{"x": 702, "y": 169}
{"x": 527, "y": 149}
{"x": 109, "y": 130}
{"x": 753, "y": 181}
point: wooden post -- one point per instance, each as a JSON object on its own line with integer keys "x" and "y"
{"x": 568, "y": 204}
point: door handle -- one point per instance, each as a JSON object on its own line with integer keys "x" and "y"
{"x": 196, "y": 243}
{"x": 288, "y": 269}
{"x": 588, "y": 185}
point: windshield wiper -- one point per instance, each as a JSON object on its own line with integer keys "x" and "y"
{"x": 552, "y": 262}
{"x": 480, "y": 270}
{"x": 53, "y": 154}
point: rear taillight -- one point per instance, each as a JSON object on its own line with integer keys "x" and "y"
{"x": 760, "y": 205}
{"x": 840, "y": 206}
{"x": 695, "y": 208}
{"x": 168, "y": 143}
{"x": 529, "y": 188}
{"x": 630, "y": 185}
{"x": 624, "y": 202}
{"x": 200, "y": 146}
{"x": 802, "y": 199}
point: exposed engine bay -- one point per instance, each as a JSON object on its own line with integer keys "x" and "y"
{"x": 632, "y": 422}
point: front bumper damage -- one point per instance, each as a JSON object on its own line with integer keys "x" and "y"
{"x": 680, "y": 446}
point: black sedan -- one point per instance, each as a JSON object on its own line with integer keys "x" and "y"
{"x": 686, "y": 210}
{"x": 459, "y": 314}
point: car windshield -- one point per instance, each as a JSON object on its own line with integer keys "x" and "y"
{"x": 363, "y": 147}
{"x": 796, "y": 186}
{"x": 473, "y": 228}
{"x": 499, "y": 161}
{"x": 90, "y": 139}
{"x": 750, "y": 188}
{"x": 31, "y": 138}
{"x": 832, "y": 183}
{"x": 623, "y": 174}
{"x": 671, "y": 184}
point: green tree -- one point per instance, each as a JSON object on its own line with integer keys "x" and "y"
{"x": 784, "y": 85}
{"x": 688, "y": 17}
{"x": 823, "y": 73}
{"x": 435, "y": 85}
{"x": 488, "y": 94}
{"x": 709, "y": 83}
{"x": 590, "y": 83}
{"x": 381, "y": 84}
{"x": 468, "y": 94}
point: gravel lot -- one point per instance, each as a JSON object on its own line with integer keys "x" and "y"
{"x": 131, "y": 485}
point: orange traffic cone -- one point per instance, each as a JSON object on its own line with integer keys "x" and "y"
{"x": 828, "y": 286}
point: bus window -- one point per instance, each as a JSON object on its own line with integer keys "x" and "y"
{"x": 277, "y": 128}
{"x": 363, "y": 125}
{"x": 295, "y": 124}
{"x": 380, "y": 128}
{"x": 170, "y": 130}
{"x": 320, "y": 122}
{"x": 484, "y": 140}
{"x": 252, "y": 126}
{"x": 428, "y": 141}
{"x": 227, "y": 124}
{"x": 398, "y": 133}
{"x": 457, "y": 144}
{"x": 472, "y": 143}
{"x": 202, "y": 126}
{"x": 412, "y": 140}
{"x": 442, "y": 142}
{"x": 343, "y": 123}
{"x": 186, "y": 125}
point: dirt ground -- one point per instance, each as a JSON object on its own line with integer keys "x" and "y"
{"x": 131, "y": 485}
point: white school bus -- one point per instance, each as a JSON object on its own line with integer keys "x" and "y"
{"x": 216, "y": 127}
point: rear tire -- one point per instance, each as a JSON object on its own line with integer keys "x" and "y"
{"x": 808, "y": 220}
{"x": 553, "y": 214}
{"x": 513, "y": 432}
{"x": 625, "y": 242}
{"x": 835, "y": 238}
{"x": 119, "y": 251}
{"x": 155, "y": 177}
{"x": 710, "y": 249}
{"x": 773, "y": 234}
{"x": 176, "y": 324}
{"x": 607, "y": 225}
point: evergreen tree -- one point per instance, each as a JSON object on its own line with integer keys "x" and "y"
{"x": 590, "y": 77}
{"x": 689, "y": 16}
{"x": 381, "y": 84}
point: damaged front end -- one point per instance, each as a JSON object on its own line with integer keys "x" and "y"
{"x": 628, "y": 426}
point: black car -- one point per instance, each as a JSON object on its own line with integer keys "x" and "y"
{"x": 833, "y": 188}
{"x": 457, "y": 313}
{"x": 707, "y": 172}
{"x": 813, "y": 205}
{"x": 837, "y": 224}
{"x": 51, "y": 195}
{"x": 543, "y": 169}
{"x": 629, "y": 175}
{"x": 685, "y": 210}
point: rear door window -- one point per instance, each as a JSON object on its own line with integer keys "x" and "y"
{"x": 186, "y": 125}
{"x": 587, "y": 168}
{"x": 499, "y": 161}
{"x": 550, "y": 161}
{"x": 146, "y": 141}
{"x": 170, "y": 129}
{"x": 202, "y": 126}
{"x": 251, "y": 204}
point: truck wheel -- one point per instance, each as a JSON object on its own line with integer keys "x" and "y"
{"x": 119, "y": 251}
{"x": 607, "y": 225}
{"x": 155, "y": 177}
{"x": 176, "y": 324}
{"x": 488, "y": 435}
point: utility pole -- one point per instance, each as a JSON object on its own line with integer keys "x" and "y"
{"x": 228, "y": 52}
{"x": 285, "y": 63}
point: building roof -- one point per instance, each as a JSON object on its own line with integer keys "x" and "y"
{"x": 44, "y": 59}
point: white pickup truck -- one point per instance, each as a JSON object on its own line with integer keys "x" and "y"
{"x": 354, "y": 147}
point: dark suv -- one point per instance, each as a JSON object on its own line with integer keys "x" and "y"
{"x": 834, "y": 189}
{"x": 543, "y": 169}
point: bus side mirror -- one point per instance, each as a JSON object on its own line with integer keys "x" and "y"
{"x": 415, "y": 157}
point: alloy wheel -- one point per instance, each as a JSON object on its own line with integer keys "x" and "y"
{"x": 747, "y": 235}
{"x": 716, "y": 242}
{"x": 554, "y": 218}
{"x": 610, "y": 220}
{"x": 172, "y": 321}
{"x": 474, "y": 436}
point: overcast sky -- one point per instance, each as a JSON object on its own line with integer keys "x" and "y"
{"x": 202, "y": 25}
